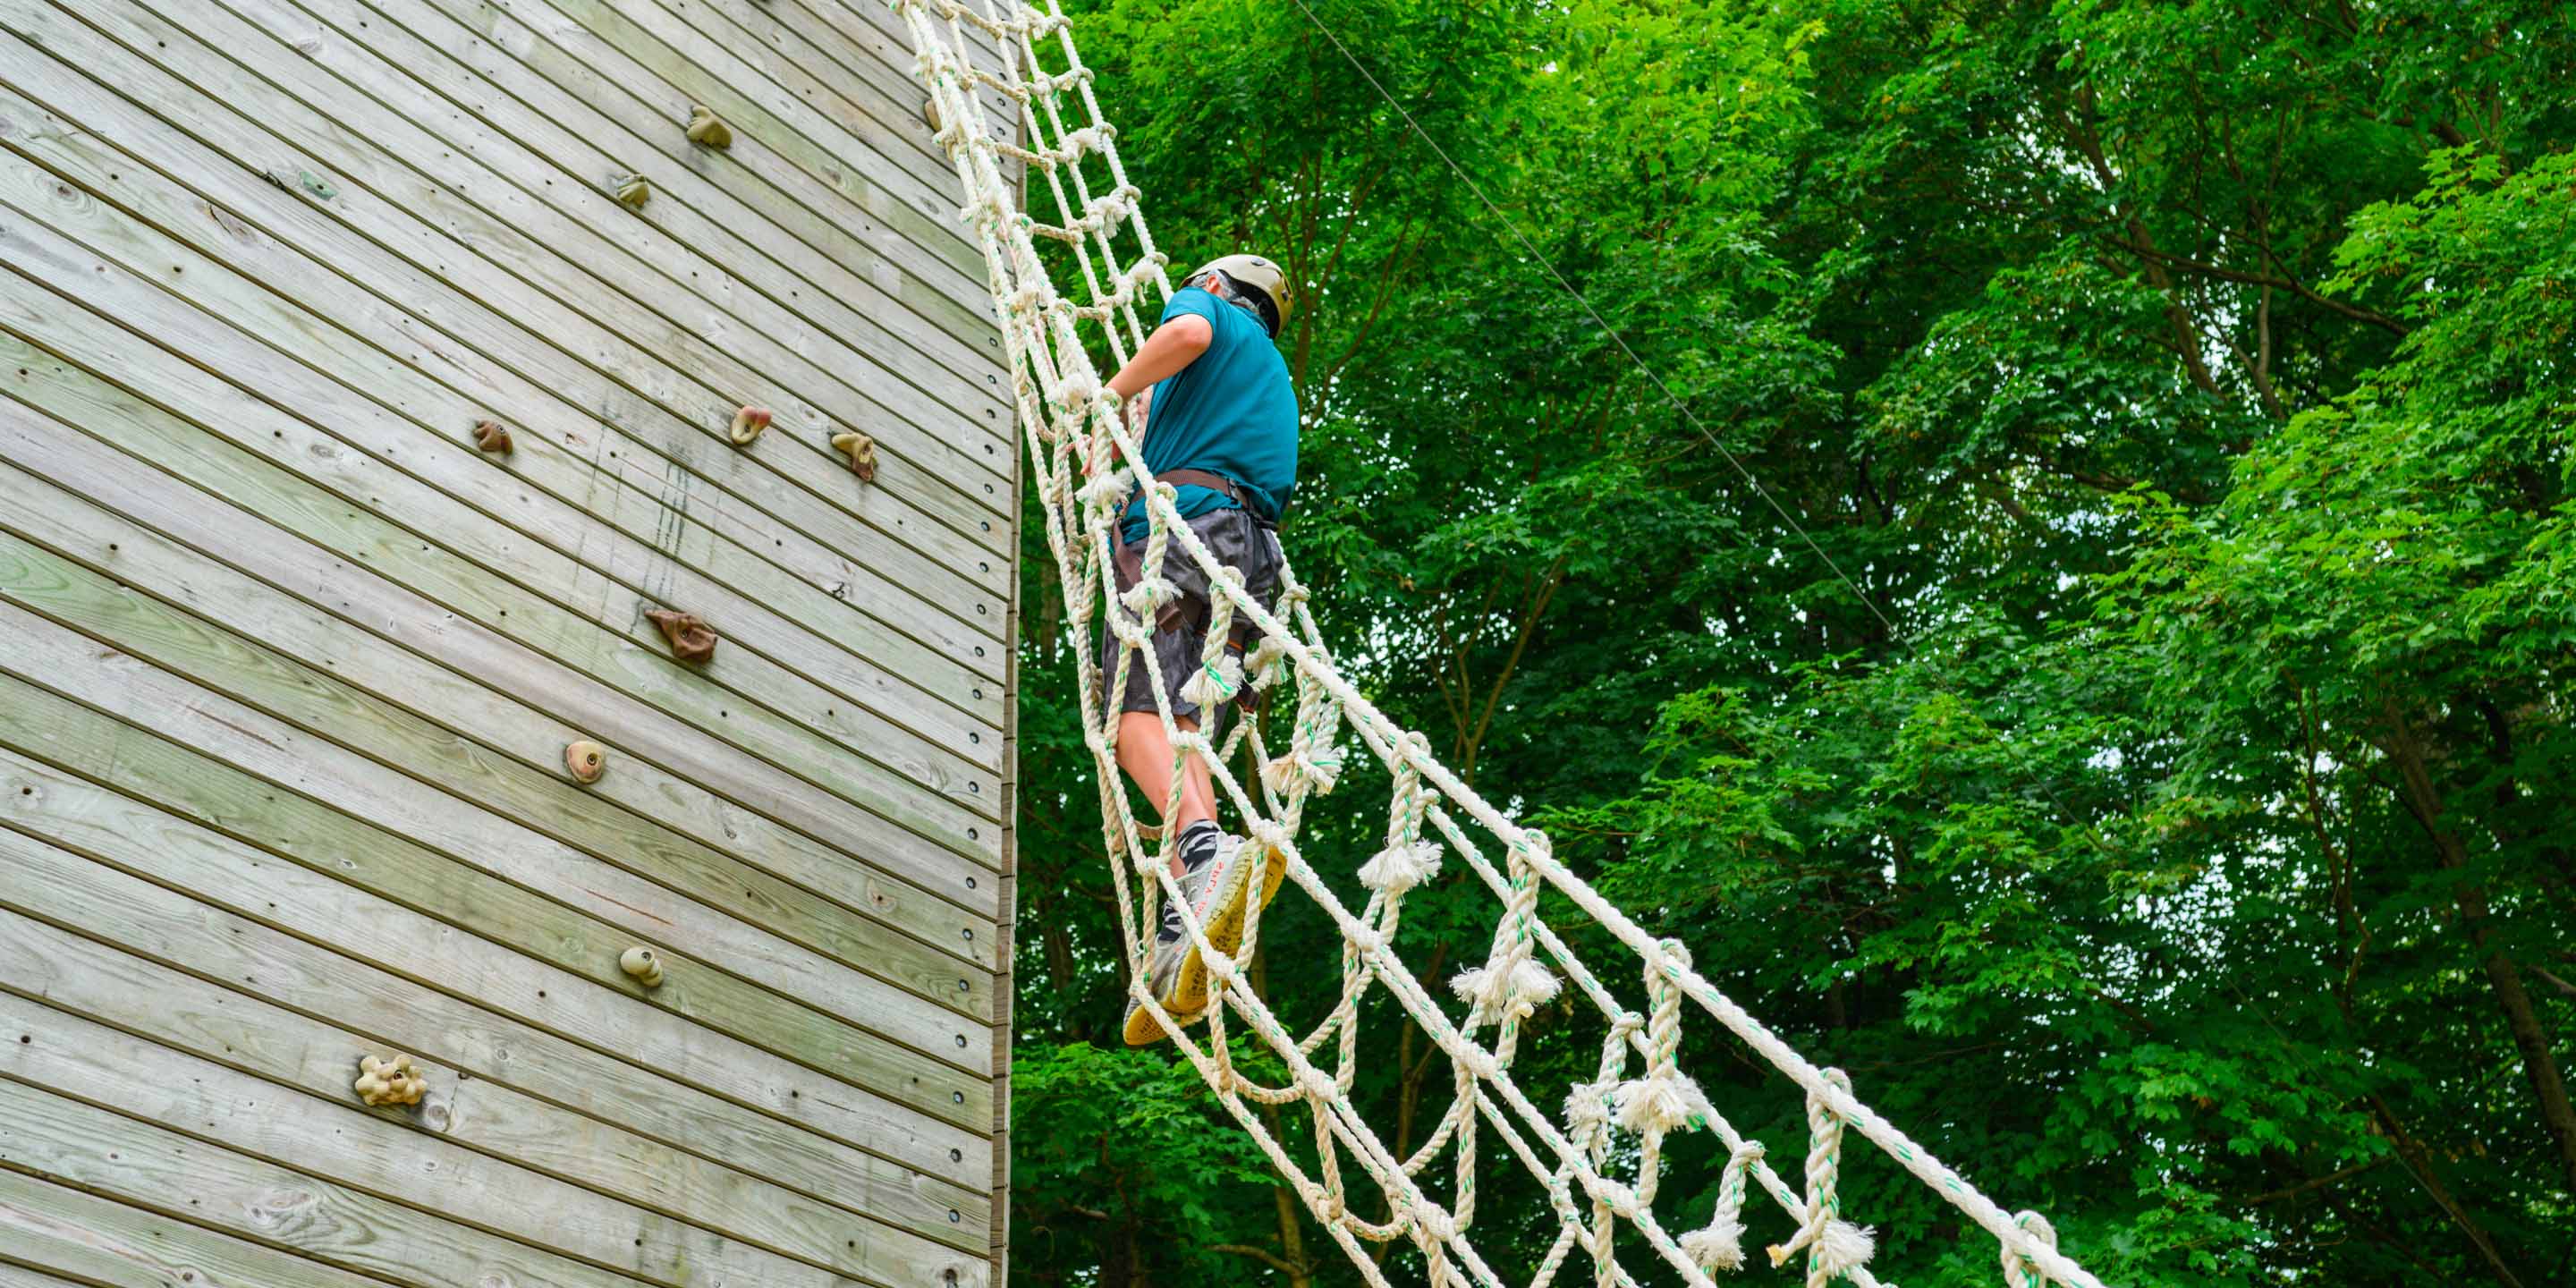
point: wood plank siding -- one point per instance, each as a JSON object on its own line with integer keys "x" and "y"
{"x": 288, "y": 664}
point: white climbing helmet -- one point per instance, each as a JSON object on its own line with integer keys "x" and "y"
{"x": 1261, "y": 284}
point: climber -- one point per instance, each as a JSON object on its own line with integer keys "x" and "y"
{"x": 1218, "y": 417}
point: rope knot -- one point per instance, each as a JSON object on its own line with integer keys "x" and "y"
{"x": 1435, "y": 1223}
{"x": 1516, "y": 991}
{"x": 1149, "y": 595}
{"x": 1833, "y": 1246}
{"x": 2021, "y": 1271}
{"x": 1108, "y": 489}
{"x": 1318, "y": 770}
{"x": 1399, "y": 868}
{"x": 1587, "y": 1108}
{"x": 1317, "y": 1084}
{"x": 1838, "y": 1248}
{"x": 1662, "y": 1102}
{"x": 1214, "y": 684}
{"x": 1720, "y": 1244}
{"x": 1268, "y": 664}
{"x": 1617, "y": 1197}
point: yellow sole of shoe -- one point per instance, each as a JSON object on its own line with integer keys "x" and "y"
{"x": 1189, "y": 995}
{"x": 1143, "y": 1029}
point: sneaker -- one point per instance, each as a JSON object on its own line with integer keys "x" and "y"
{"x": 1141, "y": 1028}
{"x": 1199, "y": 849}
{"x": 1223, "y": 902}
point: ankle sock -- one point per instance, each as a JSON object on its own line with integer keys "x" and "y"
{"x": 1198, "y": 849}
{"x": 1198, "y": 844}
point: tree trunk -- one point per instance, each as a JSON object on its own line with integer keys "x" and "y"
{"x": 2539, "y": 1068}
{"x": 1292, "y": 1239}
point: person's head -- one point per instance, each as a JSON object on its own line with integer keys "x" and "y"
{"x": 1255, "y": 281}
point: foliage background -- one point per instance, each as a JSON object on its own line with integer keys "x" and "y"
{"x": 2167, "y": 819}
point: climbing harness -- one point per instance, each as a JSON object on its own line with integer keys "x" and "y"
{"x": 1599, "y": 1153}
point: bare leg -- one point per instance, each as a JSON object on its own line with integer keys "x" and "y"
{"x": 1146, "y": 755}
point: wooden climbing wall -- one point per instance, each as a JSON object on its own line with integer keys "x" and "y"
{"x": 288, "y": 667}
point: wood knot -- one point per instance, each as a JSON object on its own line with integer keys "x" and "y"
{"x": 692, "y": 640}
{"x": 631, "y": 190}
{"x": 862, "y": 451}
{"x": 390, "y": 1082}
{"x": 747, "y": 424}
{"x": 278, "y": 1209}
{"x": 489, "y": 436}
{"x": 705, "y": 130}
{"x": 643, "y": 964}
{"x": 585, "y": 760}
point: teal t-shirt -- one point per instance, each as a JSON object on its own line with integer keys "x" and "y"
{"x": 1232, "y": 411}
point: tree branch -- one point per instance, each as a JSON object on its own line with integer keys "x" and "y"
{"x": 1262, "y": 1255}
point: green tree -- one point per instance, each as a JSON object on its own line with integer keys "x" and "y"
{"x": 2074, "y": 630}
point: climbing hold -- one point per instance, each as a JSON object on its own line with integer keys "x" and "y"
{"x": 930, "y": 113}
{"x": 631, "y": 190}
{"x": 490, "y": 437}
{"x": 705, "y": 129}
{"x": 691, "y": 639}
{"x": 641, "y": 963}
{"x": 862, "y": 451}
{"x": 390, "y": 1082}
{"x": 317, "y": 185}
{"x": 747, "y": 424}
{"x": 585, "y": 760}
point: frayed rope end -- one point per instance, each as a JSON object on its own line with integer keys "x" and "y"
{"x": 1718, "y": 1247}
{"x": 1527, "y": 988}
{"x": 1399, "y": 868}
{"x": 1662, "y": 1102}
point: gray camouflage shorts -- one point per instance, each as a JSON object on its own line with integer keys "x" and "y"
{"x": 1239, "y": 541}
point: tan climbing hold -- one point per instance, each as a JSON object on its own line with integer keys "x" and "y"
{"x": 930, "y": 113}
{"x": 390, "y": 1082}
{"x": 747, "y": 424}
{"x": 706, "y": 130}
{"x": 862, "y": 451}
{"x": 691, "y": 640}
{"x": 585, "y": 760}
{"x": 490, "y": 437}
{"x": 643, "y": 964}
{"x": 632, "y": 190}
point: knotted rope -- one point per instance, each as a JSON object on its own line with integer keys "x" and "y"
{"x": 1077, "y": 440}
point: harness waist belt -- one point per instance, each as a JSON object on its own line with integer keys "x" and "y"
{"x": 1214, "y": 483}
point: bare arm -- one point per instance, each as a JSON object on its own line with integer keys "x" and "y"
{"x": 1174, "y": 345}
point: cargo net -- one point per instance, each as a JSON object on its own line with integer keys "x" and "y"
{"x": 1595, "y": 1148}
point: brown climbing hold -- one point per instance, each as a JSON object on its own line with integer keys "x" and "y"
{"x": 691, "y": 639}
{"x": 632, "y": 190}
{"x": 747, "y": 424}
{"x": 641, "y": 963}
{"x": 585, "y": 760}
{"x": 390, "y": 1082}
{"x": 930, "y": 113}
{"x": 490, "y": 437}
{"x": 862, "y": 451}
{"x": 705, "y": 129}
